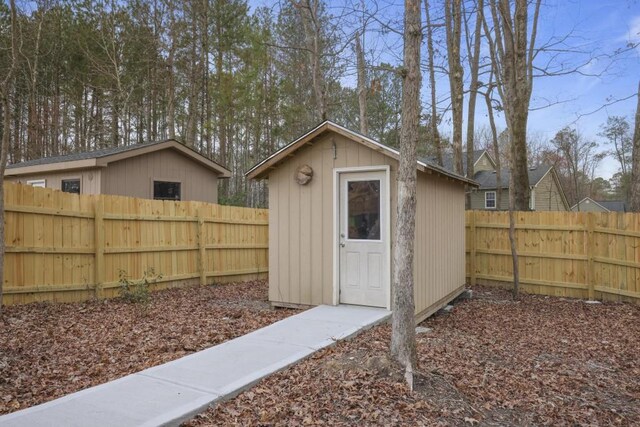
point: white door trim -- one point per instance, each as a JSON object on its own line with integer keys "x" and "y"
{"x": 336, "y": 225}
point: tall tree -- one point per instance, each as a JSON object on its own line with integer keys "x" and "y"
{"x": 616, "y": 131}
{"x": 433, "y": 120}
{"x": 578, "y": 161}
{"x": 512, "y": 54}
{"x": 634, "y": 204}
{"x": 474, "y": 70}
{"x": 362, "y": 84}
{"x": 453, "y": 24}
{"x": 403, "y": 338}
{"x": 6, "y": 88}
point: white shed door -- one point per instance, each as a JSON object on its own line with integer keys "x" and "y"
{"x": 364, "y": 240}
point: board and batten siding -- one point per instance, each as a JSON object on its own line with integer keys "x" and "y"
{"x": 301, "y": 226}
{"x": 440, "y": 242}
{"x": 89, "y": 179}
{"x": 133, "y": 177}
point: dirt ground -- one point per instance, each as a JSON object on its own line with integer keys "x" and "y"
{"x": 490, "y": 362}
{"x": 49, "y": 350}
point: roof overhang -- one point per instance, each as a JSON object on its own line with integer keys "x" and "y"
{"x": 52, "y": 167}
{"x": 110, "y": 158}
{"x": 261, "y": 170}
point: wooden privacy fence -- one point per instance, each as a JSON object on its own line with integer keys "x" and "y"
{"x": 66, "y": 247}
{"x": 574, "y": 254}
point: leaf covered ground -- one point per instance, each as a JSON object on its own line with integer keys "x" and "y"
{"x": 491, "y": 361}
{"x": 49, "y": 350}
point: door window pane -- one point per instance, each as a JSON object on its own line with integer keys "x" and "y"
{"x": 163, "y": 190}
{"x": 364, "y": 209}
{"x": 71, "y": 186}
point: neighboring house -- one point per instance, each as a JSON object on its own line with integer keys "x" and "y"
{"x": 546, "y": 191}
{"x": 332, "y": 210}
{"x": 589, "y": 205}
{"x": 166, "y": 170}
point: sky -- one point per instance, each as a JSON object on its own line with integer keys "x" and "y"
{"x": 595, "y": 29}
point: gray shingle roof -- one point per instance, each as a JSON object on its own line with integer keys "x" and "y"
{"x": 95, "y": 154}
{"x": 613, "y": 205}
{"x": 489, "y": 180}
{"x": 447, "y": 160}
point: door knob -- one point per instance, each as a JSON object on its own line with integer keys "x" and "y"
{"x": 342, "y": 244}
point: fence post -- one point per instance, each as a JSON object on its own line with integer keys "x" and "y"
{"x": 98, "y": 220}
{"x": 591, "y": 279}
{"x": 472, "y": 249}
{"x": 202, "y": 249}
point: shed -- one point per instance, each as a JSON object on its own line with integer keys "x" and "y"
{"x": 332, "y": 210}
{"x": 165, "y": 170}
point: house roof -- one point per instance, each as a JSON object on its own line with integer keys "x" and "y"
{"x": 261, "y": 169}
{"x": 447, "y": 159}
{"x": 102, "y": 157}
{"x": 607, "y": 205}
{"x": 488, "y": 180}
{"x": 613, "y": 205}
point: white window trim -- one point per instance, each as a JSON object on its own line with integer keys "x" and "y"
{"x": 41, "y": 183}
{"x": 494, "y": 200}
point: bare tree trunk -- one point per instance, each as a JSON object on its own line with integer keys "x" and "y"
{"x": 362, "y": 86}
{"x": 6, "y": 87}
{"x": 403, "y": 338}
{"x": 496, "y": 146}
{"x": 512, "y": 57}
{"x": 512, "y": 238}
{"x": 171, "y": 90}
{"x": 474, "y": 66}
{"x": 435, "y": 135}
{"x": 634, "y": 205}
{"x": 308, "y": 10}
{"x": 453, "y": 18}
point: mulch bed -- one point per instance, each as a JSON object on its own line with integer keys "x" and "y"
{"x": 491, "y": 361}
{"x": 49, "y": 350}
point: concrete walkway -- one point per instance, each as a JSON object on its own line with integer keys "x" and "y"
{"x": 171, "y": 393}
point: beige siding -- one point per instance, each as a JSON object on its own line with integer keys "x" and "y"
{"x": 588, "y": 206}
{"x": 301, "y": 219}
{"x": 134, "y": 176}
{"x": 483, "y": 164}
{"x": 547, "y": 195}
{"x": 301, "y": 226}
{"x": 440, "y": 240}
{"x": 89, "y": 179}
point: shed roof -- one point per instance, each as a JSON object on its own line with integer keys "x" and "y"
{"x": 102, "y": 157}
{"x": 261, "y": 169}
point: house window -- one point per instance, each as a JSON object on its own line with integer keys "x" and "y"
{"x": 37, "y": 183}
{"x": 71, "y": 186}
{"x": 364, "y": 210}
{"x": 490, "y": 200}
{"x": 165, "y": 190}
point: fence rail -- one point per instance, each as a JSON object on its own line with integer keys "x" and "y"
{"x": 573, "y": 254}
{"x": 66, "y": 247}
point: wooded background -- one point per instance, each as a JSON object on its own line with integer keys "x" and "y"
{"x": 236, "y": 81}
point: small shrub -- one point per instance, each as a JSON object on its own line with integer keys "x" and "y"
{"x": 137, "y": 291}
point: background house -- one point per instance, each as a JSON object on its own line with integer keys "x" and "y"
{"x": 332, "y": 208}
{"x": 546, "y": 191}
{"x": 166, "y": 170}
{"x": 589, "y": 205}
